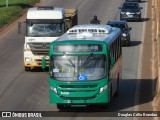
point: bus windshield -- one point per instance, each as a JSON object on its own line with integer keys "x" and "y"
{"x": 78, "y": 67}
{"x": 45, "y": 30}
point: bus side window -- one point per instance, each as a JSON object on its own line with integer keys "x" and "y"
{"x": 120, "y": 46}
{"x": 111, "y": 54}
{"x": 114, "y": 50}
{"x": 117, "y": 48}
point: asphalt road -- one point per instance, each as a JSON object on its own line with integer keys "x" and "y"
{"x": 28, "y": 91}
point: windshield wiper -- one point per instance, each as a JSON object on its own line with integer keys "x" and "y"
{"x": 70, "y": 61}
{"x": 90, "y": 55}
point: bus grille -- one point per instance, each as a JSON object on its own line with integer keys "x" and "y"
{"x": 39, "y": 48}
{"x": 78, "y": 86}
{"x": 78, "y": 98}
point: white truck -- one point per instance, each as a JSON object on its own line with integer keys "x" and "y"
{"x": 43, "y": 25}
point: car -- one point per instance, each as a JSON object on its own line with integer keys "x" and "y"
{"x": 133, "y": 0}
{"x": 125, "y": 30}
{"x": 130, "y": 11}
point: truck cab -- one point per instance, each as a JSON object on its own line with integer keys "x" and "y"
{"x": 43, "y": 25}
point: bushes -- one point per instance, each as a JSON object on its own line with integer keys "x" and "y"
{"x": 10, "y": 13}
{"x": 21, "y": 3}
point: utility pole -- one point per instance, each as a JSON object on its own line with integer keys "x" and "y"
{"x": 6, "y": 3}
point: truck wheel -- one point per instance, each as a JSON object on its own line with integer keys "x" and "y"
{"x": 27, "y": 68}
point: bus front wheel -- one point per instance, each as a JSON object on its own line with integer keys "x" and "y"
{"x": 63, "y": 106}
{"x": 60, "y": 106}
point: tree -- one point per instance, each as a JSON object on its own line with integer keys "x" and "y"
{"x": 6, "y": 3}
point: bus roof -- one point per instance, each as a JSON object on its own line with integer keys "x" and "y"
{"x": 45, "y": 13}
{"x": 100, "y": 32}
{"x": 94, "y": 32}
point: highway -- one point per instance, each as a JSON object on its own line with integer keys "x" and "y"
{"x": 28, "y": 91}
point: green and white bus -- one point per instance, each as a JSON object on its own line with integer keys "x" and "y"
{"x": 85, "y": 66}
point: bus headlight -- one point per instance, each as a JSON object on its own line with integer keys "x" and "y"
{"x": 53, "y": 89}
{"x": 102, "y": 89}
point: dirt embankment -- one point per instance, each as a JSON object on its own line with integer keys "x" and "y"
{"x": 156, "y": 65}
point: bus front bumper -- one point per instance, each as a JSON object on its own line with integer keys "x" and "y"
{"x": 78, "y": 93}
{"x": 101, "y": 98}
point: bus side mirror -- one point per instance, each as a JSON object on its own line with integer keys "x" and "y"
{"x": 112, "y": 61}
{"x": 43, "y": 63}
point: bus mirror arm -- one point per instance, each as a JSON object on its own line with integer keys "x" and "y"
{"x": 43, "y": 63}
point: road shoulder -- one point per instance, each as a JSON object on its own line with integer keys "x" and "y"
{"x": 148, "y": 75}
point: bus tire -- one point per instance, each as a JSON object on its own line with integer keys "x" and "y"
{"x": 27, "y": 68}
{"x": 116, "y": 93}
{"x": 110, "y": 93}
{"x": 60, "y": 106}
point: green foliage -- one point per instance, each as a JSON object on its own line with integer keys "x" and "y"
{"x": 10, "y": 13}
{"x": 22, "y": 3}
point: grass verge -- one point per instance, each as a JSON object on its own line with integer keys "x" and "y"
{"x": 13, "y": 11}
